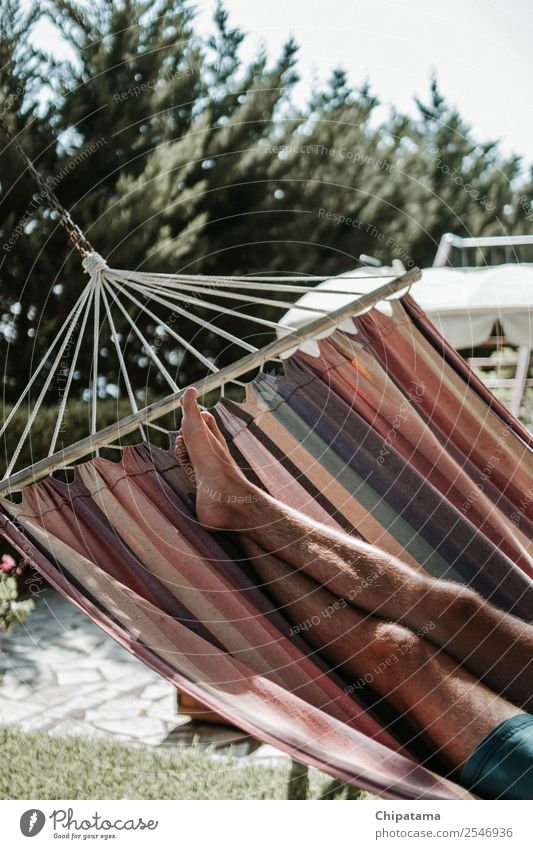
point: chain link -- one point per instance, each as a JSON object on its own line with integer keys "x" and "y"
{"x": 74, "y": 233}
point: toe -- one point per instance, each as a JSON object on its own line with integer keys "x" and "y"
{"x": 192, "y": 423}
{"x": 212, "y": 424}
{"x": 191, "y": 410}
{"x": 180, "y": 448}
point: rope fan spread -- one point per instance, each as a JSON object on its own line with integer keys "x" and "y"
{"x": 115, "y": 296}
{"x": 108, "y": 297}
{"x": 122, "y": 542}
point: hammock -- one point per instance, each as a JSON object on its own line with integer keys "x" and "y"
{"x": 375, "y": 426}
{"x": 122, "y": 542}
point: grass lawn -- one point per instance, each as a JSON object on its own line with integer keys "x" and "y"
{"x": 42, "y": 766}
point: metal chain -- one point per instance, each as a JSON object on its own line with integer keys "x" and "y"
{"x": 74, "y": 233}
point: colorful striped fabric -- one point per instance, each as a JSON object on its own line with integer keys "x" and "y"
{"x": 382, "y": 436}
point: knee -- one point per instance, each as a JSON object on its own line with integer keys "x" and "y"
{"x": 399, "y": 652}
{"x": 437, "y": 603}
{"x": 459, "y": 604}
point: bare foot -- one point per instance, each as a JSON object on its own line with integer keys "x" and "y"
{"x": 222, "y": 491}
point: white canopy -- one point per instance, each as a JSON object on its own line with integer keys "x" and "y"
{"x": 463, "y": 304}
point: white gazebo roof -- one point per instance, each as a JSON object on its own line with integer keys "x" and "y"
{"x": 463, "y": 303}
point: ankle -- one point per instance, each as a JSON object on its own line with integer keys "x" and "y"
{"x": 241, "y": 504}
{"x": 228, "y": 506}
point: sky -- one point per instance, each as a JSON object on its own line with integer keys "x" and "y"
{"x": 480, "y": 51}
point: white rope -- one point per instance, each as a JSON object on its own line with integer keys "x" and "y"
{"x": 158, "y": 427}
{"x": 225, "y": 334}
{"x": 148, "y": 348}
{"x": 71, "y": 371}
{"x": 123, "y": 369}
{"x": 273, "y": 286}
{"x": 83, "y": 297}
{"x": 252, "y": 278}
{"x": 94, "y": 264}
{"x": 209, "y": 305}
{"x": 211, "y": 382}
{"x": 176, "y": 336}
{"x": 236, "y": 382}
{"x": 249, "y": 299}
{"x": 96, "y": 343}
{"x": 42, "y": 394}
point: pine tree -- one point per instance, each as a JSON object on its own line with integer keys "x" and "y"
{"x": 178, "y": 156}
{"x": 174, "y": 155}
{"x": 28, "y": 237}
{"x": 462, "y": 186}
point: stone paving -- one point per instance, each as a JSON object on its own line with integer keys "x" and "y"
{"x": 61, "y": 674}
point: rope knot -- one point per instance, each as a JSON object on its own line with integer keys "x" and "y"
{"x": 93, "y": 263}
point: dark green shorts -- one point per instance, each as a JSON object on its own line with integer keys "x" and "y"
{"x": 501, "y": 767}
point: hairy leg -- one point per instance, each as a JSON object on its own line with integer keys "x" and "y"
{"x": 496, "y": 647}
{"x": 442, "y": 701}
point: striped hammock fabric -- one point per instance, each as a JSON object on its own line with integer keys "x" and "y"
{"x": 388, "y": 436}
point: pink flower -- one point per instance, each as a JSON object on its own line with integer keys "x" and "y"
{"x": 7, "y": 563}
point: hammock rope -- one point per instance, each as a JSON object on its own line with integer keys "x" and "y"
{"x": 48, "y": 380}
{"x": 70, "y": 375}
{"x": 121, "y": 361}
{"x": 161, "y": 298}
{"x": 144, "y": 342}
{"x": 152, "y": 292}
{"x": 180, "y": 339}
{"x": 214, "y": 380}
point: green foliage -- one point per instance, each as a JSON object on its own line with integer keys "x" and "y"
{"x": 12, "y": 611}
{"x": 173, "y": 154}
{"x": 76, "y": 426}
{"x": 468, "y": 187}
{"x": 25, "y": 223}
{"x": 48, "y": 767}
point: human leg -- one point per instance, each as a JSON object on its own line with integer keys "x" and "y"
{"x": 496, "y": 647}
